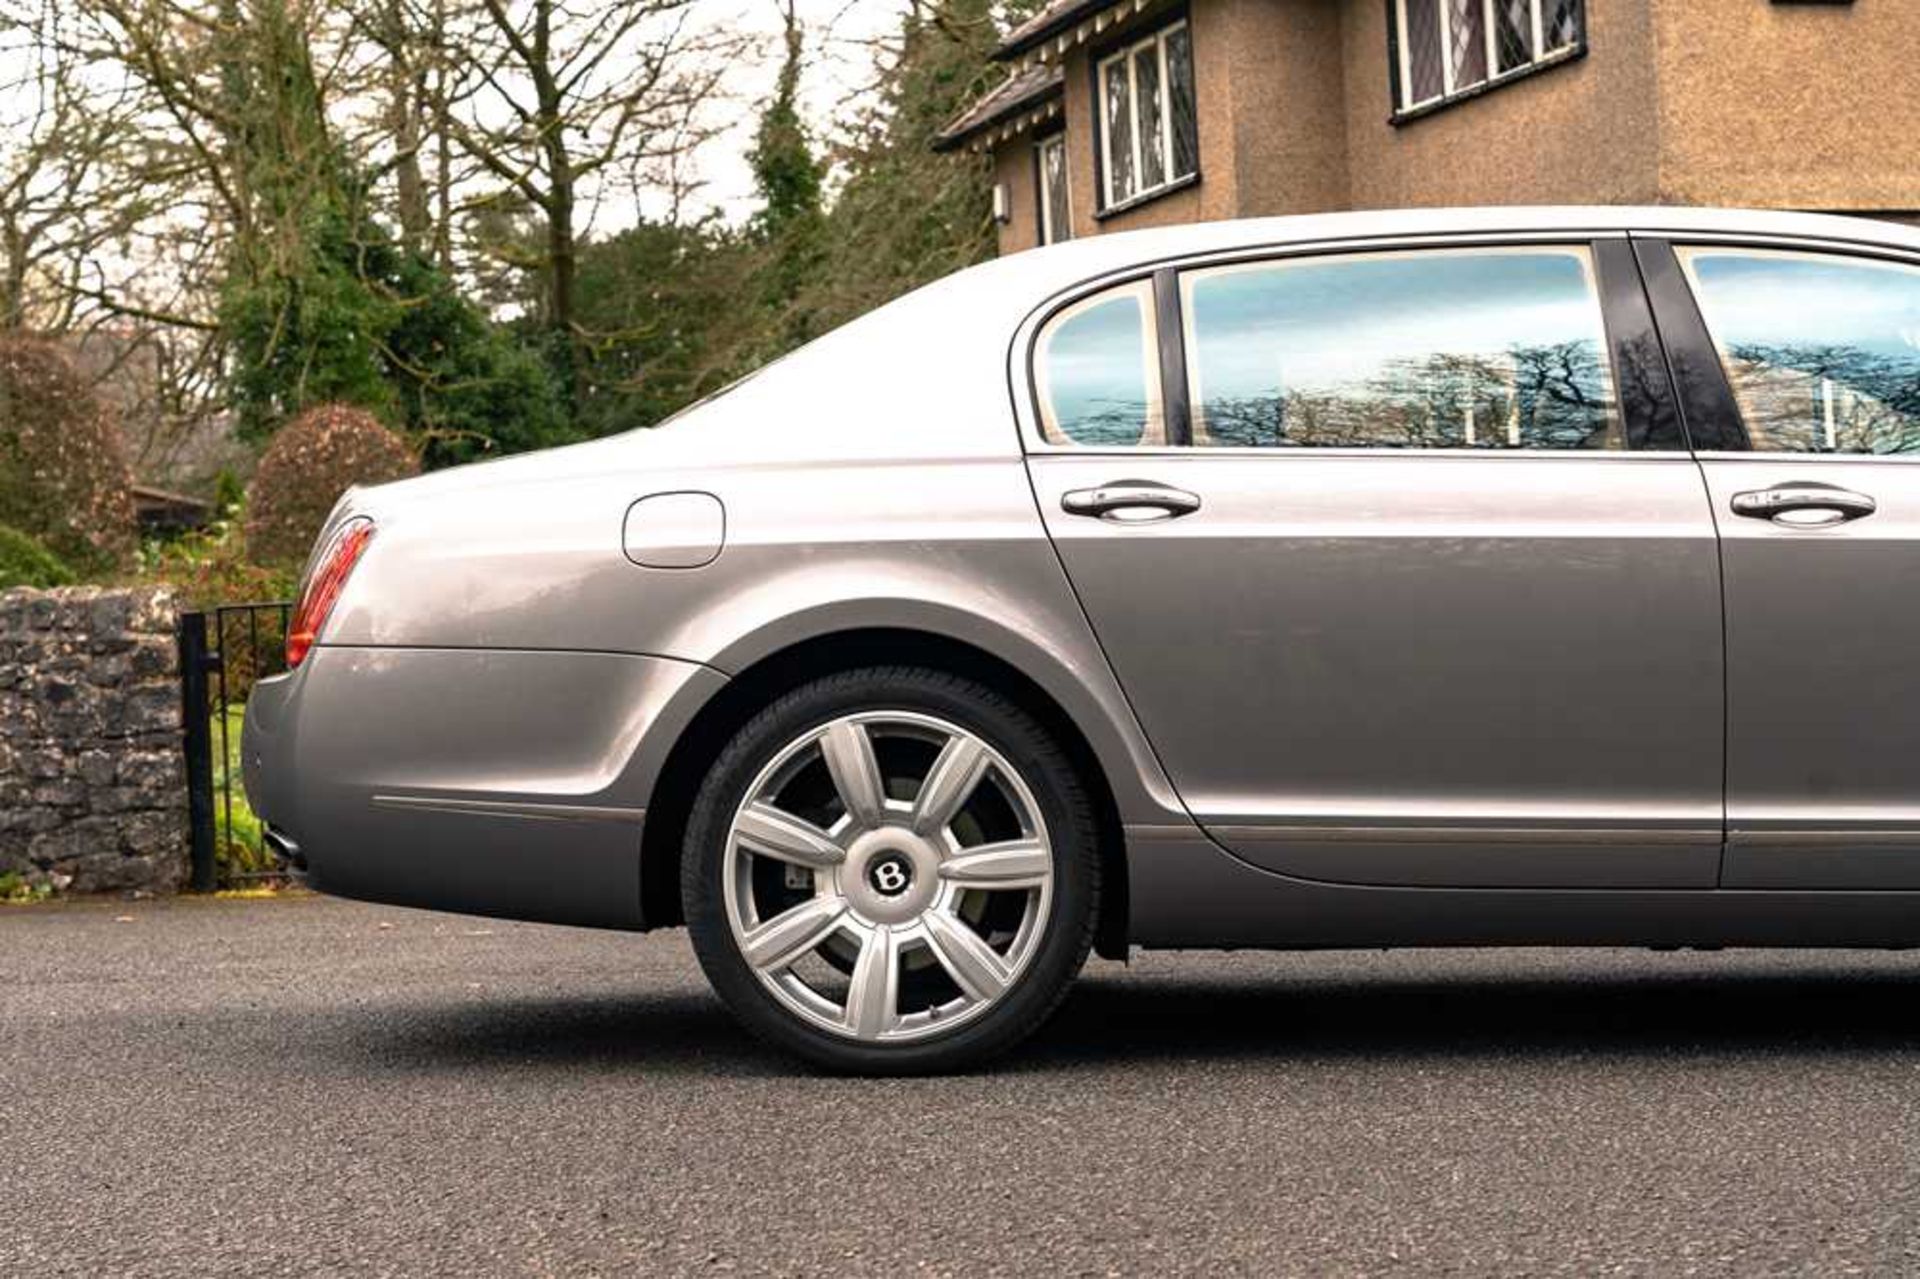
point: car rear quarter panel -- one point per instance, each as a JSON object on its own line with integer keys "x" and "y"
{"x": 497, "y": 657}
{"x": 953, "y": 547}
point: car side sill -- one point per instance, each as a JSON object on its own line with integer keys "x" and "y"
{"x": 1188, "y": 892}
{"x": 1477, "y": 856}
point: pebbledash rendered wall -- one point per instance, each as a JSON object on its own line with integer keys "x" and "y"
{"x": 92, "y": 781}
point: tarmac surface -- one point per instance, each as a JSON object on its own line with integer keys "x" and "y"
{"x": 300, "y": 1085}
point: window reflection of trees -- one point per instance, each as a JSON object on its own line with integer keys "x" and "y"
{"x": 1827, "y": 398}
{"x": 1114, "y": 422}
{"x": 1552, "y": 396}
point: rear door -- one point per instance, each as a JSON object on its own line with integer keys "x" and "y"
{"x": 1402, "y": 559}
{"x": 1806, "y": 380}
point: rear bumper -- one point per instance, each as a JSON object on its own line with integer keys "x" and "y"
{"x": 512, "y": 784}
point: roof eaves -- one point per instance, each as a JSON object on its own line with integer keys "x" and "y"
{"x": 1038, "y": 101}
{"x": 1063, "y": 25}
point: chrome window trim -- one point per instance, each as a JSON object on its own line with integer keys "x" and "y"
{"x": 1465, "y": 455}
{"x": 1782, "y": 242}
{"x": 1024, "y": 354}
{"x": 1024, "y": 388}
{"x": 1822, "y": 459}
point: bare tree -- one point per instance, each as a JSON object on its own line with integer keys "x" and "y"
{"x": 414, "y": 73}
{"x": 571, "y": 103}
{"x": 98, "y": 246}
{"x": 64, "y": 190}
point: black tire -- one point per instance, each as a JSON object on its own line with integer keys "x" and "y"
{"x": 1048, "y": 774}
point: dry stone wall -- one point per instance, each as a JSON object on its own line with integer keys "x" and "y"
{"x": 92, "y": 780}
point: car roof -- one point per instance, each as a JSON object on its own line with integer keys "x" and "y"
{"x": 1118, "y": 251}
{"x": 871, "y": 379}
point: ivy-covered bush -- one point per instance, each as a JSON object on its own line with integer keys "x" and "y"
{"x": 64, "y": 479}
{"x": 24, "y": 562}
{"x": 311, "y": 462}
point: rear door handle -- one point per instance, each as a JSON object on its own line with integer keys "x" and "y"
{"x": 1804, "y": 504}
{"x": 1131, "y": 502}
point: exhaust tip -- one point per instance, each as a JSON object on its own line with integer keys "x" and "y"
{"x": 283, "y": 848}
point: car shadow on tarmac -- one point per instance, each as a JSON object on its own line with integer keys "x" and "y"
{"x": 1637, "y": 1015}
{"x": 1111, "y": 1019}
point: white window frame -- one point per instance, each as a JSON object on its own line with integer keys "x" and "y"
{"x": 1158, "y": 41}
{"x": 1049, "y": 233}
{"x": 1489, "y": 23}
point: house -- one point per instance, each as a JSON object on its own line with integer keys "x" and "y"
{"x": 160, "y": 510}
{"x": 1118, "y": 114}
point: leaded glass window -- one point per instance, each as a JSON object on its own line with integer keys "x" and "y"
{"x": 1448, "y": 47}
{"x": 1149, "y": 138}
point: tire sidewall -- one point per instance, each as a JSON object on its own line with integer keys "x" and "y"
{"x": 1042, "y": 765}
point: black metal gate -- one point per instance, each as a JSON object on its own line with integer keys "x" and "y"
{"x": 222, "y": 652}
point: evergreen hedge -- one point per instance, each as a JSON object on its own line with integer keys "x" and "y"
{"x": 24, "y": 562}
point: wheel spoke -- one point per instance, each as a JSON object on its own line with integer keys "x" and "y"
{"x": 775, "y": 833}
{"x": 950, "y": 783}
{"x": 872, "y": 992}
{"x": 856, "y": 772}
{"x": 966, "y": 956}
{"x": 789, "y": 935}
{"x": 1015, "y": 864}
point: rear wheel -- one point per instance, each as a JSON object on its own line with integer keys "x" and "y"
{"x": 890, "y": 871}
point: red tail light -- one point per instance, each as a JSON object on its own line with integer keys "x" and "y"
{"x": 321, "y": 591}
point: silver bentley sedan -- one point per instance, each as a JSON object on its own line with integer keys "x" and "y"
{"x": 1495, "y": 577}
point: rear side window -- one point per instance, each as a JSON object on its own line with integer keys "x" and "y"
{"x": 1823, "y": 351}
{"x": 1097, "y": 371}
{"x": 1487, "y": 349}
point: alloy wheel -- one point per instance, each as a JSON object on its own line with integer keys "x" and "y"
{"x": 888, "y": 876}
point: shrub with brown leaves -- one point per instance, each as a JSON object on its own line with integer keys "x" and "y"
{"x": 311, "y": 462}
{"x": 64, "y": 478}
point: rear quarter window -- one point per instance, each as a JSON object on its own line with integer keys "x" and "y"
{"x": 1097, "y": 372}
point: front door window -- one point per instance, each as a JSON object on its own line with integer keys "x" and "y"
{"x": 1823, "y": 352}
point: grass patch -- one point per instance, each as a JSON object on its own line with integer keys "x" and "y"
{"x": 261, "y": 891}
{"x": 240, "y": 852}
{"x": 17, "y": 890}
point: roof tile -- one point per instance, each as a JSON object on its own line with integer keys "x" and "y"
{"x": 1048, "y": 22}
{"x": 1016, "y": 93}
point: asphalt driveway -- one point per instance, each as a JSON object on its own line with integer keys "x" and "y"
{"x": 299, "y": 1086}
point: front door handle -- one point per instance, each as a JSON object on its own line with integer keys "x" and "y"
{"x": 1804, "y": 504}
{"x": 1131, "y": 502}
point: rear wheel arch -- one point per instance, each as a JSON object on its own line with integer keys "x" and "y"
{"x": 663, "y": 835}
